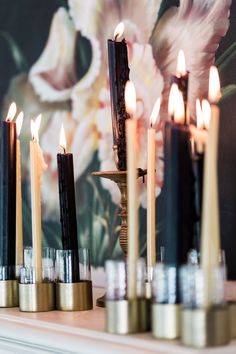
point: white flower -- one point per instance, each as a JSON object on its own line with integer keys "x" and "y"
{"x": 197, "y": 27}
{"x": 54, "y": 74}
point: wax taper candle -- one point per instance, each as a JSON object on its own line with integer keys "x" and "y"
{"x": 19, "y": 221}
{"x": 37, "y": 165}
{"x": 210, "y": 237}
{"x": 118, "y": 75}
{"x": 133, "y": 225}
{"x": 68, "y": 205}
{"x": 151, "y": 191}
{"x": 181, "y": 79}
{"x": 178, "y": 190}
{"x": 8, "y": 194}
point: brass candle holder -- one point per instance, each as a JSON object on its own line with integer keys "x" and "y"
{"x": 120, "y": 178}
{"x": 9, "y": 293}
{"x": 37, "y": 297}
{"x": 127, "y": 316}
{"x": 203, "y": 328}
{"x": 74, "y": 296}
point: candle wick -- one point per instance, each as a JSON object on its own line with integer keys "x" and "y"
{"x": 151, "y": 125}
{"x": 116, "y": 36}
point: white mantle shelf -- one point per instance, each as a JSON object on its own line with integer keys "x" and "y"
{"x": 80, "y": 332}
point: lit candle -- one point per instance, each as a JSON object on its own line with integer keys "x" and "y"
{"x": 181, "y": 79}
{"x": 132, "y": 156}
{"x": 8, "y": 194}
{"x": 19, "y": 224}
{"x": 151, "y": 192}
{"x": 37, "y": 165}
{"x": 119, "y": 75}
{"x": 68, "y": 205}
{"x": 210, "y": 237}
{"x": 178, "y": 190}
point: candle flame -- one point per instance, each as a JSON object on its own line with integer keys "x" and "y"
{"x": 155, "y": 111}
{"x": 35, "y": 125}
{"x": 172, "y": 98}
{"x": 62, "y": 138}
{"x": 130, "y": 98}
{"x": 179, "y": 112}
{"x": 19, "y": 122}
{"x": 200, "y": 118}
{"x": 214, "y": 85}
{"x": 181, "y": 64}
{"x": 206, "y": 110}
{"x": 119, "y": 30}
{"x": 11, "y": 112}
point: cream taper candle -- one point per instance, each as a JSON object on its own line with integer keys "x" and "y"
{"x": 151, "y": 192}
{"x": 19, "y": 221}
{"x": 37, "y": 165}
{"x": 210, "y": 237}
{"x": 132, "y": 156}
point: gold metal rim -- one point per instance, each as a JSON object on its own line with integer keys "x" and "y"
{"x": 166, "y": 321}
{"x": 9, "y": 295}
{"x": 203, "y": 328}
{"x": 74, "y": 296}
{"x": 127, "y": 316}
{"x": 39, "y": 297}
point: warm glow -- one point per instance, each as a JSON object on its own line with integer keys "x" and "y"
{"x": 179, "y": 113}
{"x": 206, "y": 110}
{"x": 200, "y": 119}
{"x": 119, "y": 30}
{"x": 11, "y": 112}
{"x": 62, "y": 138}
{"x": 181, "y": 65}
{"x": 155, "y": 111}
{"x": 214, "y": 85}
{"x": 35, "y": 125}
{"x": 130, "y": 98}
{"x": 172, "y": 99}
{"x": 19, "y": 121}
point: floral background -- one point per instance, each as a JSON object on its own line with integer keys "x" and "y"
{"x": 54, "y": 61}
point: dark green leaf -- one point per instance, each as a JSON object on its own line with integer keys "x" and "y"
{"x": 228, "y": 91}
{"x": 17, "y": 55}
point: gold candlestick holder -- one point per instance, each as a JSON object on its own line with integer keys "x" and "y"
{"x": 120, "y": 178}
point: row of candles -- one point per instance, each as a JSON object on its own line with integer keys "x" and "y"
{"x": 11, "y": 235}
{"x": 186, "y": 148}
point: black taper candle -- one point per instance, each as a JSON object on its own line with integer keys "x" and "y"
{"x": 179, "y": 191}
{"x": 8, "y": 198}
{"x": 198, "y": 165}
{"x": 68, "y": 209}
{"x": 118, "y": 75}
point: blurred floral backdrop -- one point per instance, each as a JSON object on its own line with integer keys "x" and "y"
{"x": 54, "y": 61}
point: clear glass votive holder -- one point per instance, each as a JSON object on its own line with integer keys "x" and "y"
{"x": 205, "y": 314}
{"x": 8, "y": 287}
{"x": 74, "y": 285}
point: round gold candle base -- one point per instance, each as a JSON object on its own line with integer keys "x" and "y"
{"x": 39, "y": 297}
{"x": 203, "y": 328}
{"x": 126, "y": 316}
{"x": 232, "y": 316}
{"x": 9, "y": 293}
{"x": 166, "y": 321}
{"x": 74, "y": 296}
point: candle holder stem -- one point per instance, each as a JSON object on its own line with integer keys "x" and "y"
{"x": 120, "y": 178}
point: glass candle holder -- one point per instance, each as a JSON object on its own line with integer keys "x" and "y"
{"x": 115, "y": 280}
{"x": 84, "y": 264}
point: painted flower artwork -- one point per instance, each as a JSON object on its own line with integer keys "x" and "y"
{"x": 69, "y": 83}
